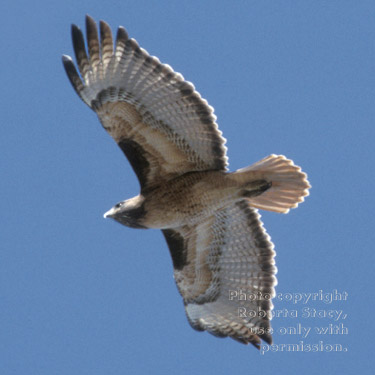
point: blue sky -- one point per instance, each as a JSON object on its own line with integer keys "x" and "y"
{"x": 84, "y": 295}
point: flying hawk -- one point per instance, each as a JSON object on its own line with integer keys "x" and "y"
{"x": 222, "y": 257}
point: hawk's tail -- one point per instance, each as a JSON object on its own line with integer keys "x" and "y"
{"x": 282, "y": 185}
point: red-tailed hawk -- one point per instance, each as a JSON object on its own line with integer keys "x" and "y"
{"x": 222, "y": 257}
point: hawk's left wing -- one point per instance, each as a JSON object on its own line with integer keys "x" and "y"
{"x": 160, "y": 122}
{"x": 225, "y": 272}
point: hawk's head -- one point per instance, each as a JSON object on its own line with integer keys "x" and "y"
{"x": 130, "y": 212}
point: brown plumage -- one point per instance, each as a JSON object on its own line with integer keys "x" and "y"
{"x": 219, "y": 248}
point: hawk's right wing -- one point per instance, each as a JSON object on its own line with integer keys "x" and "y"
{"x": 218, "y": 263}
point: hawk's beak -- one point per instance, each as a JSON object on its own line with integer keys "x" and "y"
{"x": 109, "y": 213}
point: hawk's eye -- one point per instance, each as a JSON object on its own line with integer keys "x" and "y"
{"x": 118, "y": 205}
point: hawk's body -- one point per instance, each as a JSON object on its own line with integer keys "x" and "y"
{"x": 189, "y": 199}
{"x": 207, "y": 215}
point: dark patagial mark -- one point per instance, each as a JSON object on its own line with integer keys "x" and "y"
{"x": 177, "y": 248}
{"x": 137, "y": 157}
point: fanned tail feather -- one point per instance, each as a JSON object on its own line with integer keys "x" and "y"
{"x": 289, "y": 185}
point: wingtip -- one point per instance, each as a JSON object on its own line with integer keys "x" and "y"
{"x": 89, "y": 19}
{"x": 90, "y": 23}
{"x": 73, "y": 75}
{"x": 69, "y": 67}
{"x": 104, "y": 24}
{"x": 122, "y": 34}
{"x": 65, "y": 59}
{"x": 75, "y": 30}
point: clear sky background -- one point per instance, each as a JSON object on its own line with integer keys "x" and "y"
{"x": 84, "y": 295}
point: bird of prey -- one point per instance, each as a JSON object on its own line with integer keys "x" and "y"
{"x": 222, "y": 257}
